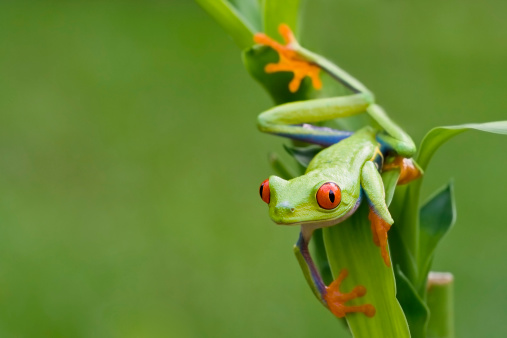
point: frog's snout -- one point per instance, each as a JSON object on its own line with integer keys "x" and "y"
{"x": 284, "y": 207}
{"x": 283, "y": 213}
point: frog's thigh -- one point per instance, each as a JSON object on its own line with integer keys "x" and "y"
{"x": 372, "y": 184}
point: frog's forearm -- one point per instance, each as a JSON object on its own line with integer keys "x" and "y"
{"x": 309, "y": 270}
{"x": 379, "y": 216}
{"x": 372, "y": 184}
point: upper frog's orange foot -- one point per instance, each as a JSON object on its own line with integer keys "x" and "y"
{"x": 408, "y": 169}
{"x": 290, "y": 60}
{"x": 336, "y": 300}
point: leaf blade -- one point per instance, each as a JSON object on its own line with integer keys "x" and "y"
{"x": 436, "y": 218}
{"x": 231, "y": 20}
{"x": 436, "y": 137}
{"x": 350, "y": 245}
{"x": 277, "y": 12}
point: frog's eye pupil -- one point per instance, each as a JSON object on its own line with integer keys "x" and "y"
{"x": 329, "y": 195}
{"x": 264, "y": 191}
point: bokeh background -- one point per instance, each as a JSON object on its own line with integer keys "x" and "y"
{"x": 130, "y": 163}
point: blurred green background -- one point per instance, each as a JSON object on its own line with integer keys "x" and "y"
{"x": 130, "y": 164}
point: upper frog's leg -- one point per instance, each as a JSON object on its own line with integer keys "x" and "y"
{"x": 393, "y": 137}
{"x": 330, "y": 296}
{"x": 288, "y": 119}
{"x": 380, "y": 218}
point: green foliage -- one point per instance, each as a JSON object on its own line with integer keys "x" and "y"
{"x": 414, "y": 307}
{"x": 233, "y": 21}
{"x": 417, "y": 231}
{"x": 349, "y": 245}
{"x": 437, "y": 217}
{"x": 438, "y": 136}
{"x": 303, "y": 155}
{"x": 277, "y": 12}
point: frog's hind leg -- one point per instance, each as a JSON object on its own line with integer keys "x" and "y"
{"x": 393, "y": 137}
{"x": 330, "y": 296}
{"x": 395, "y": 141}
{"x": 291, "y": 119}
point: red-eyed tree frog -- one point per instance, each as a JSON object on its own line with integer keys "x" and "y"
{"x": 341, "y": 176}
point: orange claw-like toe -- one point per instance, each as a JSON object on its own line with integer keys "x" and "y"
{"x": 379, "y": 228}
{"x": 336, "y": 300}
{"x": 408, "y": 169}
{"x": 290, "y": 60}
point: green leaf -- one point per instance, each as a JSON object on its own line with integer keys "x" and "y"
{"x": 319, "y": 255}
{"x": 251, "y": 11}
{"x": 416, "y": 312}
{"x": 408, "y": 222}
{"x": 277, "y": 12}
{"x": 231, "y": 20}
{"x": 349, "y": 245}
{"x": 390, "y": 179}
{"x": 437, "y": 217}
{"x": 438, "y": 136}
{"x": 280, "y": 168}
{"x": 303, "y": 155}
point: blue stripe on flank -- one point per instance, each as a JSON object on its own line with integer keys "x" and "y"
{"x": 333, "y": 137}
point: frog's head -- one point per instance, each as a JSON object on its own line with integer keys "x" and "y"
{"x": 310, "y": 199}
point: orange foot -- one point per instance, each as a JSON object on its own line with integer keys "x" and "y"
{"x": 379, "y": 229}
{"x": 408, "y": 169}
{"x": 290, "y": 60}
{"x": 336, "y": 300}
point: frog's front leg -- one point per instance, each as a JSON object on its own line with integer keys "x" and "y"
{"x": 379, "y": 216}
{"x": 330, "y": 296}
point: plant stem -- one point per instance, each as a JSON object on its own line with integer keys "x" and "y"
{"x": 349, "y": 245}
{"x": 440, "y": 300}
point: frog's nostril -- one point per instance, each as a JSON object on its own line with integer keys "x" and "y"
{"x": 285, "y": 207}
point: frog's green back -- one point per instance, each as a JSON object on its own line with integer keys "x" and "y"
{"x": 349, "y": 154}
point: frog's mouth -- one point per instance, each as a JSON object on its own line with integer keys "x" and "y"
{"x": 324, "y": 223}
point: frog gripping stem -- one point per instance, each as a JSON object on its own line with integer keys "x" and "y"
{"x": 379, "y": 229}
{"x": 409, "y": 170}
{"x": 290, "y": 60}
{"x": 336, "y": 300}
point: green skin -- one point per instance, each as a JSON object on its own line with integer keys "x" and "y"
{"x": 348, "y": 163}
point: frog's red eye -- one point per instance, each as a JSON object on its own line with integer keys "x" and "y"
{"x": 264, "y": 190}
{"x": 329, "y": 195}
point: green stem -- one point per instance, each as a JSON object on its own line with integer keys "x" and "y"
{"x": 441, "y": 304}
{"x": 349, "y": 245}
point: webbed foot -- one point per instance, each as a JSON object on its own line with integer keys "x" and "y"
{"x": 409, "y": 170}
{"x": 290, "y": 60}
{"x": 379, "y": 229}
{"x": 336, "y": 300}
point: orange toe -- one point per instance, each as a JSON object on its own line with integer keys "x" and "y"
{"x": 379, "y": 229}
{"x": 290, "y": 61}
{"x": 336, "y": 300}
